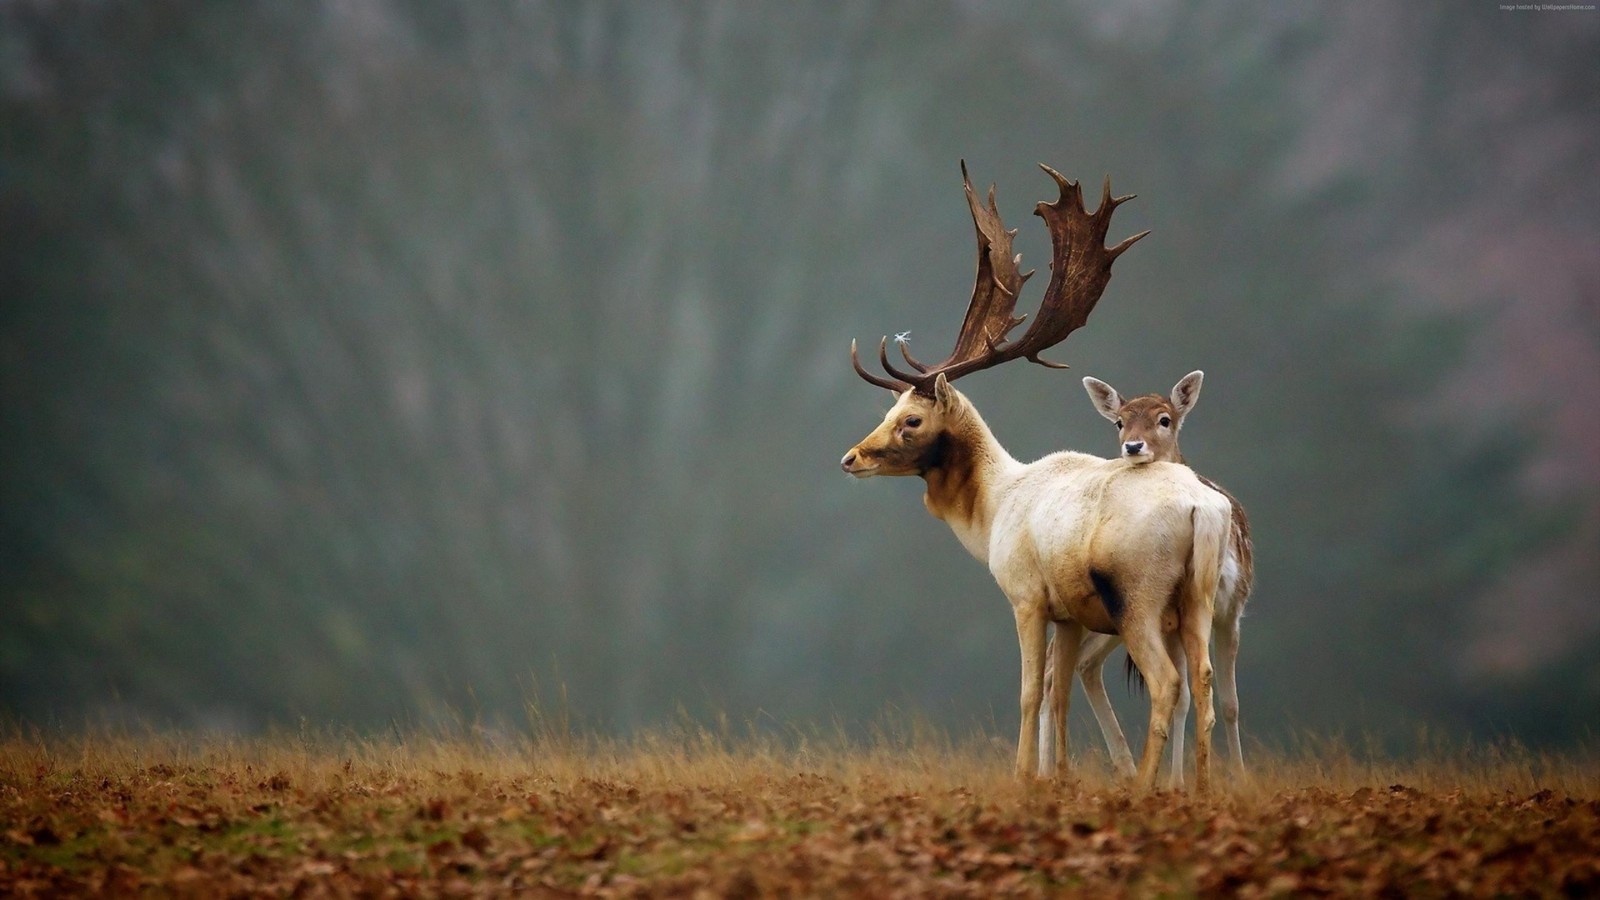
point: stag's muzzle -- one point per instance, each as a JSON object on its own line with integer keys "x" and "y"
{"x": 855, "y": 464}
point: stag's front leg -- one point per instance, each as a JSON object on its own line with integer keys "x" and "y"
{"x": 1031, "y": 639}
{"x": 1068, "y": 641}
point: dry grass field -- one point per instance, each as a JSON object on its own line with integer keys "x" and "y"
{"x": 696, "y": 814}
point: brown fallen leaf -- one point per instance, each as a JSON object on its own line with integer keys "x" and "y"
{"x": 476, "y": 839}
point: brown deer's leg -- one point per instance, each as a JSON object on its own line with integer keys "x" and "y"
{"x": 1180, "y": 710}
{"x": 1196, "y": 630}
{"x": 1091, "y": 670}
{"x": 1227, "y": 635}
{"x": 1047, "y": 726}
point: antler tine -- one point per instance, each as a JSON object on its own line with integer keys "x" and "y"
{"x": 1034, "y": 358}
{"x": 1068, "y": 187}
{"x": 883, "y": 359}
{"x": 877, "y": 381}
{"x": 1102, "y": 216}
{"x": 1108, "y": 202}
{"x": 1118, "y": 250}
{"x": 906, "y": 352}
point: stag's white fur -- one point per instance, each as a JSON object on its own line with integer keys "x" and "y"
{"x": 1233, "y": 590}
{"x": 1156, "y": 530}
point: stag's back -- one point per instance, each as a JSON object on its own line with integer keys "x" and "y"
{"x": 1147, "y": 512}
{"x": 1070, "y": 515}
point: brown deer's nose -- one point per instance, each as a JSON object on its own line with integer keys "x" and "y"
{"x": 1133, "y": 448}
{"x": 848, "y": 461}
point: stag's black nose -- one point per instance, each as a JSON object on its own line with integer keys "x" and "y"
{"x": 1133, "y": 448}
{"x": 848, "y": 461}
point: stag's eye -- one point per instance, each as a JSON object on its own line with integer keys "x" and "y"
{"x": 913, "y": 421}
{"x": 1119, "y": 424}
{"x": 1166, "y": 422}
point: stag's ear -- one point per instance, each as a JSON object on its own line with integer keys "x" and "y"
{"x": 1104, "y": 397}
{"x": 944, "y": 396}
{"x": 1186, "y": 393}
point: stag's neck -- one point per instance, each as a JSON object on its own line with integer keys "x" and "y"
{"x": 963, "y": 475}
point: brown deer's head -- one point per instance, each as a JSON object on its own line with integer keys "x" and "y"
{"x": 1147, "y": 427}
{"x": 909, "y": 440}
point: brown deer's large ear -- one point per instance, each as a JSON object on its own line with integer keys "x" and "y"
{"x": 1105, "y": 398}
{"x": 1186, "y": 393}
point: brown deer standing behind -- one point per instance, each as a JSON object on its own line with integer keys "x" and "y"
{"x": 1090, "y": 544}
{"x": 1147, "y": 431}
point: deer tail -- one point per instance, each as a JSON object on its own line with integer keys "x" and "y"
{"x": 1211, "y": 525}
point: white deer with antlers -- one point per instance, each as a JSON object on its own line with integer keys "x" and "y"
{"x": 1147, "y": 431}
{"x": 1087, "y": 543}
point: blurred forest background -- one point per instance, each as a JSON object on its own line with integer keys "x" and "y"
{"x": 386, "y": 362}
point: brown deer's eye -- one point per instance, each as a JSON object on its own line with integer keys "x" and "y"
{"x": 1166, "y": 422}
{"x": 1119, "y": 424}
{"x": 913, "y": 421}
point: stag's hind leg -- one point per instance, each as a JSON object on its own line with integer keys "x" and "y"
{"x": 1142, "y": 634}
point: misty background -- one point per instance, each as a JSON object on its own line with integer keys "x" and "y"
{"x": 373, "y": 362}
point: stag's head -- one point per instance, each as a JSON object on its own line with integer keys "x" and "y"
{"x": 1147, "y": 427}
{"x": 907, "y": 442}
{"x": 913, "y": 437}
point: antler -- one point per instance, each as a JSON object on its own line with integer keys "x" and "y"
{"x": 1080, "y": 268}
